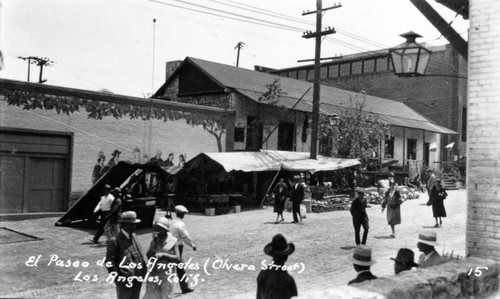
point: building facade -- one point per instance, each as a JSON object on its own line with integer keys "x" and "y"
{"x": 440, "y": 96}
{"x": 414, "y": 139}
{"x": 47, "y": 156}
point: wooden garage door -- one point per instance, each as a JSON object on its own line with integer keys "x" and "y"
{"x": 34, "y": 171}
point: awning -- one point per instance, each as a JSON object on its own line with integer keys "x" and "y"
{"x": 268, "y": 160}
{"x": 432, "y": 146}
{"x": 450, "y": 146}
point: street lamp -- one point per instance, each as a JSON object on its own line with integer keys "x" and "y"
{"x": 409, "y": 59}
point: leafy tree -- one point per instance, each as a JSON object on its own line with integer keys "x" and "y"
{"x": 358, "y": 133}
{"x": 214, "y": 124}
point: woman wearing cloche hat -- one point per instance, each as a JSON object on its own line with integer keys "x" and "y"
{"x": 273, "y": 281}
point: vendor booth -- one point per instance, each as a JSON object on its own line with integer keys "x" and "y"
{"x": 217, "y": 180}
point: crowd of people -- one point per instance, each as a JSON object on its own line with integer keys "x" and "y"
{"x": 101, "y": 167}
{"x": 170, "y": 236}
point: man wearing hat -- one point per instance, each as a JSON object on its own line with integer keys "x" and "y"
{"x": 359, "y": 216}
{"x": 362, "y": 261}
{"x": 429, "y": 257}
{"x": 404, "y": 261}
{"x": 178, "y": 230}
{"x": 115, "y": 157}
{"x": 125, "y": 258}
{"x": 103, "y": 208}
{"x": 297, "y": 198}
{"x": 273, "y": 281}
{"x": 114, "y": 214}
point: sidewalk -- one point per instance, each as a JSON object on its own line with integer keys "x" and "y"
{"x": 323, "y": 242}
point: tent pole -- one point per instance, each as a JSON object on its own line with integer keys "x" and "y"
{"x": 269, "y": 188}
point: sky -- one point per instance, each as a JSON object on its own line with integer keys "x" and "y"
{"x": 115, "y": 45}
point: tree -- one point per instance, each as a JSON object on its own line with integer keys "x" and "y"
{"x": 269, "y": 115}
{"x": 213, "y": 123}
{"x": 358, "y": 134}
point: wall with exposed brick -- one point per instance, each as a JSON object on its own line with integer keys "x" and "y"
{"x": 108, "y": 134}
{"x": 483, "y": 158}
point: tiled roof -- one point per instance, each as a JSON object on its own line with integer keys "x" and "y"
{"x": 253, "y": 84}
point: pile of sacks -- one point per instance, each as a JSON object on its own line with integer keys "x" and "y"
{"x": 331, "y": 203}
{"x": 373, "y": 196}
{"x": 409, "y": 193}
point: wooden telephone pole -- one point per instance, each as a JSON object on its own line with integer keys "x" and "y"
{"x": 41, "y": 62}
{"x": 239, "y": 46}
{"x": 317, "y": 70}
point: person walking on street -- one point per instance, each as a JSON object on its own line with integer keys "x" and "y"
{"x": 436, "y": 199}
{"x": 103, "y": 208}
{"x": 297, "y": 198}
{"x": 273, "y": 282}
{"x": 404, "y": 261}
{"x": 362, "y": 261}
{"x": 359, "y": 216}
{"x": 178, "y": 229}
{"x": 164, "y": 248}
{"x": 280, "y": 192}
{"x": 429, "y": 257}
{"x": 115, "y": 212}
{"x": 124, "y": 258}
{"x": 392, "y": 200}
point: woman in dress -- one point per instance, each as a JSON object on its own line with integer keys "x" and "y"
{"x": 280, "y": 192}
{"x": 182, "y": 159}
{"x": 97, "y": 172}
{"x": 164, "y": 248}
{"x": 392, "y": 200}
{"x": 436, "y": 199}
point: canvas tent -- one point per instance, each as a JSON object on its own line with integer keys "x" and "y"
{"x": 267, "y": 160}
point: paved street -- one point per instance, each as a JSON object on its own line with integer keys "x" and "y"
{"x": 225, "y": 242}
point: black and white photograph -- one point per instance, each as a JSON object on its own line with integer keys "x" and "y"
{"x": 249, "y": 149}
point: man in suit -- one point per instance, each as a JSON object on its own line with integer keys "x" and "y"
{"x": 359, "y": 216}
{"x": 429, "y": 257}
{"x": 125, "y": 260}
{"x": 404, "y": 261}
{"x": 297, "y": 198}
{"x": 362, "y": 261}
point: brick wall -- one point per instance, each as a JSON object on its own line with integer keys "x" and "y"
{"x": 483, "y": 175}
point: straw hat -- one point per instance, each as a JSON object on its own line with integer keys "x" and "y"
{"x": 163, "y": 223}
{"x": 428, "y": 237}
{"x": 181, "y": 209}
{"x": 279, "y": 247}
{"x": 362, "y": 255}
{"x": 129, "y": 217}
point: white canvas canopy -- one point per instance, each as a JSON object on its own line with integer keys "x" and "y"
{"x": 269, "y": 160}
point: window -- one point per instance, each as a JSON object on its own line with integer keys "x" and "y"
{"x": 389, "y": 147}
{"x": 411, "y": 152}
{"x": 333, "y": 71}
{"x": 368, "y": 66}
{"x": 345, "y": 69}
{"x": 285, "y": 136}
{"x": 310, "y": 74}
{"x": 357, "y": 67}
{"x": 302, "y": 75}
{"x": 381, "y": 64}
{"x": 239, "y": 134}
{"x": 464, "y": 125}
{"x": 324, "y": 72}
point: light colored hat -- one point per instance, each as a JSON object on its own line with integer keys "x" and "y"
{"x": 362, "y": 255}
{"x": 428, "y": 237}
{"x": 360, "y": 190}
{"x": 129, "y": 217}
{"x": 164, "y": 223}
{"x": 279, "y": 247}
{"x": 181, "y": 209}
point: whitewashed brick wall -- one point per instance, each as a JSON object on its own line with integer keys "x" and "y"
{"x": 483, "y": 164}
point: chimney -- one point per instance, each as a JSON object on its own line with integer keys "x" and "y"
{"x": 170, "y": 68}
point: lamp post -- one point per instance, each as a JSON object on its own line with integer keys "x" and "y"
{"x": 409, "y": 59}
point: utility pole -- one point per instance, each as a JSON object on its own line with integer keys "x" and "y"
{"x": 41, "y": 62}
{"x": 317, "y": 71}
{"x": 239, "y": 46}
